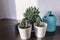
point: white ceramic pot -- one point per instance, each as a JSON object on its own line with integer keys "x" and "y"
{"x": 40, "y": 31}
{"x": 25, "y": 33}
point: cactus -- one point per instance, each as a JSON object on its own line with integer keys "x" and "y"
{"x": 39, "y": 23}
{"x": 24, "y": 24}
{"x": 31, "y": 13}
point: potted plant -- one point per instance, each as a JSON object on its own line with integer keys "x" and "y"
{"x": 25, "y": 29}
{"x": 40, "y": 28}
{"x": 31, "y": 14}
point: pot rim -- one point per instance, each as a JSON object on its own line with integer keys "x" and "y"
{"x": 25, "y": 28}
{"x": 40, "y": 27}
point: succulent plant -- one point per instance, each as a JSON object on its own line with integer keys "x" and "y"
{"x": 31, "y": 13}
{"x": 39, "y": 23}
{"x": 24, "y": 23}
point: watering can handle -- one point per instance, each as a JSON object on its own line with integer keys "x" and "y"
{"x": 40, "y": 18}
{"x": 49, "y": 13}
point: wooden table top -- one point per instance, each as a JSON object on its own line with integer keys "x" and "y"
{"x": 8, "y": 31}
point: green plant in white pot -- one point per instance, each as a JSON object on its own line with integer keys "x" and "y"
{"x": 25, "y": 29}
{"x": 40, "y": 28}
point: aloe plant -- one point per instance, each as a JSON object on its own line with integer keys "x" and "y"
{"x": 24, "y": 23}
{"x": 31, "y": 13}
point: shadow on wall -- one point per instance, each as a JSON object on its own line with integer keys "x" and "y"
{"x": 8, "y": 9}
{"x": 57, "y": 14}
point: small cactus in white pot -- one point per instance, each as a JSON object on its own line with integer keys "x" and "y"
{"x": 24, "y": 29}
{"x": 40, "y": 28}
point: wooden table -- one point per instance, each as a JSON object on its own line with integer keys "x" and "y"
{"x": 8, "y": 31}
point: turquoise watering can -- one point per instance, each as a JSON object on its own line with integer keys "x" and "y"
{"x": 51, "y": 21}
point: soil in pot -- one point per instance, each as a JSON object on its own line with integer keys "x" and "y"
{"x": 25, "y": 27}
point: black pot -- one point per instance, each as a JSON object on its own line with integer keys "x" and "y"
{"x": 32, "y": 23}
